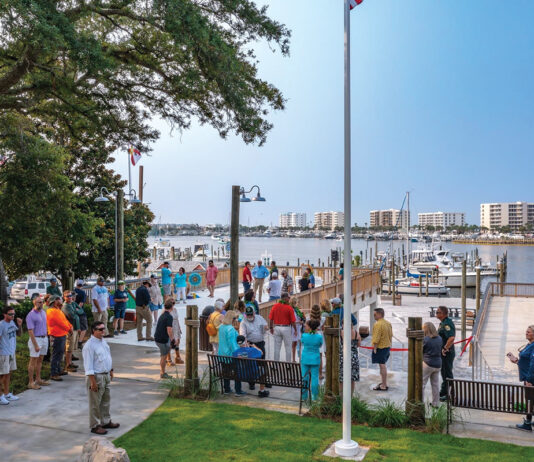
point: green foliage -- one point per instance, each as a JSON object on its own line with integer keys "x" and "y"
{"x": 176, "y": 387}
{"x": 108, "y": 67}
{"x": 361, "y": 410}
{"x": 388, "y": 414}
{"x": 22, "y": 309}
{"x": 436, "y": 419}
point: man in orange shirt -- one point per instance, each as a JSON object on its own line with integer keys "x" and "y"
{"x": 282, "y": 324}
{"x": 58, "y": 329}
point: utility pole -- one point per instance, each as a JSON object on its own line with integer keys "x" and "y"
{"x": 234, "y": 247}
{"x": 120, "y": 235}
{"x": 141, "y": 183}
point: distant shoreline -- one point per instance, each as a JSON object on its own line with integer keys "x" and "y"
{"x": 526, "y": 242}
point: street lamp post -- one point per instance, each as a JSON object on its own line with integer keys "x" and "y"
{"x": 119, "y": 226}
{"x": 238, "y": 195}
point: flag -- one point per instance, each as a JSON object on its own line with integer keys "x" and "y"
{"x": 354, "y": 3}
{"x": 135, "y": 155}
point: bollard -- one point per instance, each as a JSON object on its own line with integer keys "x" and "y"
{"x": 192, "y": 323}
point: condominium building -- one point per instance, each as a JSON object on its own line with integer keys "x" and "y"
{"x": 389, "y": 218}
{"x": 292, "y": 220}
{"x": 512, "y": 214}
{"x": 441, "y": 220}
{"x": 328, "y": 220}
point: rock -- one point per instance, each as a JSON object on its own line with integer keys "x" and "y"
{"x": 100, "y": 449}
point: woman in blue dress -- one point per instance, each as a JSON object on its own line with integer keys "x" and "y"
{"x": 525, "y": 364}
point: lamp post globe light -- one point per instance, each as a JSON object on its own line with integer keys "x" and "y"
{"x": 238, "y": 195}
{"x": 119, "y": 225}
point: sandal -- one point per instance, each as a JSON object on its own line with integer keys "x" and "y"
{"x": 379, "y": 388}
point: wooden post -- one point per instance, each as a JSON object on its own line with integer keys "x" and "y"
{"x": 329, "y": 339}
{"x": 415, "y": 408}
{"x": 154, "y": 253}
{"x": 477, "y": 296}
{"x": 464, "y": 294}
{"x": 427, "y": 278}
{"x": 234, "y": 246}
{"x": 394, "y": 288}
{"x": 173, "y": 254}
{"x": 335, "y": 355}
{"x": 420, "y": 284}
{"x": 140, "y": 192}
{"x": 191, "y": 382}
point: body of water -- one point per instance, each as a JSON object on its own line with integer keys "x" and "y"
{"x": 290, "y": 250}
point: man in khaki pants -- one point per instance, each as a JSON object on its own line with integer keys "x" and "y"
{"x": 142, "y": 311}
{"x": 99, "y": 372}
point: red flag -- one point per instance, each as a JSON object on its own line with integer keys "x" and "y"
{"x": 135, "y": 155}
{"x": 354, "y": 3}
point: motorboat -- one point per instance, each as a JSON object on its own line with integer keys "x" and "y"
{"x": 411, "y": 286}
{"x": 330, "y": 236}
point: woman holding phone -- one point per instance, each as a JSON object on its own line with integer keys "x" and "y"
{"x": 525, "y": 364}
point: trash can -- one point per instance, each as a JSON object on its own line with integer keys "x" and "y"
{"x": 203, "y": 337}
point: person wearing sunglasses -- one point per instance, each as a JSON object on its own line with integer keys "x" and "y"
{"x": 8, "y": 345}
{"x": 99, "y": 374}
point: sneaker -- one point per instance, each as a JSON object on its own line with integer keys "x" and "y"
{"x": 227, "y": 392}
{"x": 239, "y": 393}
{"x": 251, "y": 386}
{"x": 3, "y": 400}
{"x": 526, "y": 427}
{"x": 116, "y": 332}
{"x": 165, "y": 376}
{"x": 123, "y": 331}
{"x": 443, "y": 398}
{"x": 263, "y": 393}
{"x": 12, "y": 397}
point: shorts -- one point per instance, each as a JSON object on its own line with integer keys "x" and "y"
{"x": 166, "y": 289}
{"x": 120, "y": 312}
{"x": 154, "y": 307}
{"x": 8, "y": 363}
{"x": 83, "y": 322}
{"x": 164, "y": 348}
{"x": 42, "y": 343}
{"x": 381, "y": 356}
{"x": 72, "y": 342}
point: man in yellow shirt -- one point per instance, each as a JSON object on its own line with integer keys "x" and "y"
{"x": 381, "y": 340}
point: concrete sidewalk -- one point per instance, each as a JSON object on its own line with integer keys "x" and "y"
{"x": 52, "y": 424}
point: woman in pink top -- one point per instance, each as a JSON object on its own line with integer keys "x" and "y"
{"x": 211, "y": 275}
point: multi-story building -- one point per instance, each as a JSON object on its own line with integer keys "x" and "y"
{"x": 389, "y": 218}
{"x": 328, "y": 220}
{"x": 292, "y": 220}
{"x": 441, "y": 220}
{"x": 513, "y": 214}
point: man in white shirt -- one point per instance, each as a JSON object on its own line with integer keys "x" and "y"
{"x": 275, "y": 287}
{"x": 99, "y": 372}
{"x": 100, "y": 303}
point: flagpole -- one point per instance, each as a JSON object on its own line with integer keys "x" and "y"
{"x": 346, "y": 447}
{"x": 129, "y": 171}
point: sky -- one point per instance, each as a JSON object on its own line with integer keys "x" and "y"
{"x": 442, "y": 106}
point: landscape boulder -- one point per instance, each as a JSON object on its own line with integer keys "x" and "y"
{"x": 99, "y": 449}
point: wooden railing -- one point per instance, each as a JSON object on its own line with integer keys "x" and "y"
{"x": 512, "y": 289}
{"x": 364, "y": 282}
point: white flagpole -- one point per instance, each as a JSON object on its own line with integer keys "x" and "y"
{"x": 346, "y": 447}
{"x": 129, "y": 172}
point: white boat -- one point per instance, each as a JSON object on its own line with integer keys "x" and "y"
{"x": 411, "y": 286}
{"x": 330, "y": 236}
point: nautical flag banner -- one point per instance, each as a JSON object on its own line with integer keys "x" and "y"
{"x": 354, "y": 3}
{"x": 135, "y": 155}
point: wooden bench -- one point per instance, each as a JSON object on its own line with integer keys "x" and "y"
{"x": 263, "y": 371}
{"x": 488, "y": 396}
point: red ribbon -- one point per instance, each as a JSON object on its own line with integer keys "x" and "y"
{"x": 467, "y": 340}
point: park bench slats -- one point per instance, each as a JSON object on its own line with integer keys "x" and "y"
{"x": 488, "y": 396}
{"x": 268, "y": 372}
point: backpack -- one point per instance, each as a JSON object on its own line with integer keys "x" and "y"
{"x": 210, "y": 326}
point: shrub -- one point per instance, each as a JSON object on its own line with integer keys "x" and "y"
{"x": 361, "y": 410}
{"x": 176, "y": 387}
{"x": 436, "y": 419}
{"x": 23, "y": 308}
{"x": 388, "y": 414}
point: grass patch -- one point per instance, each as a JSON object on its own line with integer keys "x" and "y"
{"x": 195, "y": 431}
{"x": 387, "y": 413}
{"x": 19, "y": 378}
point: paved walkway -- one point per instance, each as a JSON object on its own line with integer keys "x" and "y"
{"x": 52, "y": 424}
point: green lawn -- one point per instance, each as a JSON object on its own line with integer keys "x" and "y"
{"x": 206, "y": 431}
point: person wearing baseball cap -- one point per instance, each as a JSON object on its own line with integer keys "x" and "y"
{"x": 53, "y": 288}
{"x": 120, "y": 297}
{"x": 142, "y": 311}
{"x": 253, "y": 328}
